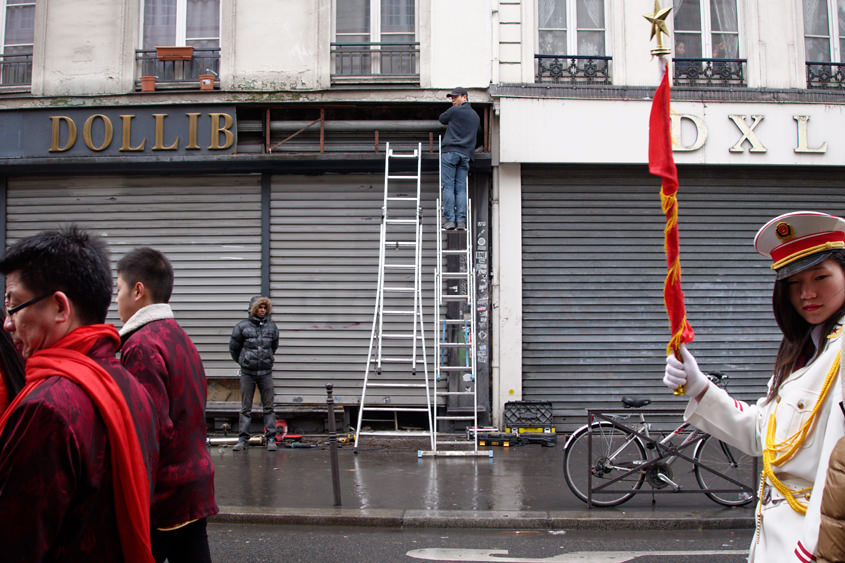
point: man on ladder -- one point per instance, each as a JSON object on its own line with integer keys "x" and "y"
{"x": 458, "y": 146}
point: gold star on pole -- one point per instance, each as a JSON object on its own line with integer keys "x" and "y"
{"x": 658, "y": 27}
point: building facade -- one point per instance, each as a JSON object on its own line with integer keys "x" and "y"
{"x": 246, "y": 140}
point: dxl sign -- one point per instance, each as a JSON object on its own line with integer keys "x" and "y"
{"x": 126, "y": 132}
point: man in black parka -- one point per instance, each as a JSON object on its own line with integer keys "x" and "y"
{"x": 253, "y": 345}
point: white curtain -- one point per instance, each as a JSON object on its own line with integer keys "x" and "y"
{"x": 203, "y": 25}
{"x": 723, "y": 25}
{"x": 816, "y": 31}
{"x": 551, "y": 25}
{"x": 159, "y": 23}
{"x": 590, "y": 27}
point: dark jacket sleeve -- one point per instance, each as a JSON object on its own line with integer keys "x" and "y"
{"x": 275, "y": 337}
{"x": 831, "y": 545}
{"x": 236, "y": 343}
{"x": 447, "y": 115}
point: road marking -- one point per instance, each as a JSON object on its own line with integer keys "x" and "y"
{"x": 501, "y": 555}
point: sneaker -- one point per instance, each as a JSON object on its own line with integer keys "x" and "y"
{"x": 449, "y": 225}
{"x": 461, "y": 226}
{"x": 241, "y": 445}
{"x": 271, "y": 445}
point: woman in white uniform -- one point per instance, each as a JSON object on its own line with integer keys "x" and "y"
{"x": 795, "y": 426}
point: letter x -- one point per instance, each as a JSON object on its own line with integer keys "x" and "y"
{"x": 747, "y": 133}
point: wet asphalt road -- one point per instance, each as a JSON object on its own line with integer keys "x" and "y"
{"x": 258, "y": 543}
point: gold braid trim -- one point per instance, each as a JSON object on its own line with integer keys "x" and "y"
{"x": 790, "y": 446}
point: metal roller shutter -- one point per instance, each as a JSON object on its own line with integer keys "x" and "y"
{"x": 594, "y": 322}
{"x": 324, "y": 266}
{"x": 209, "y": 228}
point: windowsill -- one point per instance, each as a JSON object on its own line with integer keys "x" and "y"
{"x": 16, "y": 89}
{"x": 338, "y": 80}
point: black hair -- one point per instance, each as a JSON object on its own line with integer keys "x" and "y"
{"x": 796, "y": 331}
{"x": 150, "y": 267}
{"x": 11, "y": 363}
{"x": 70, "y": 260}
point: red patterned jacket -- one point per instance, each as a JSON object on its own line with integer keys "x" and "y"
{"x": 56, "y": 488}
{"x": 161, "y": 355}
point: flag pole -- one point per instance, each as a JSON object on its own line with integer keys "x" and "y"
{"x": 661, "y": 163}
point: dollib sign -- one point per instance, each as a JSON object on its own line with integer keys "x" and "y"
{"x": 125, "y": 131}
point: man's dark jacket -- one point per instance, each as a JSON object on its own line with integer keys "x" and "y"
{"x": 254, "y": 342}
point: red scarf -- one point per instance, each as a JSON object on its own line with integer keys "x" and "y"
{"x": 66, "y": 358}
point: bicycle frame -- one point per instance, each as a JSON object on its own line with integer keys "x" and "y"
{"x": 665, "y": 452}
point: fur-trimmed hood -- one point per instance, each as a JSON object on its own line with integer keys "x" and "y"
{"x": 257, "y": 301}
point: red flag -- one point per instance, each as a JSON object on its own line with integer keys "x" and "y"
{"x": 661, "y": 163}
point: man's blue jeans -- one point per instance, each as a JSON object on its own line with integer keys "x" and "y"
{"x": 454, "y": 168}
{"x": 265, "y": 388}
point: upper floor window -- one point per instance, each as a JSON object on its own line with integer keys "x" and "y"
{"x": 824, "y": 42}
{"x": 375, "y": 38}
{"x": 707, "y": 46}
{"x": 18, "y": 29}
{"x": 571, "y": 41}
{"x": 181, "y": 23}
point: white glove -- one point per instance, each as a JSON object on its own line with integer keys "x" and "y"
{"x": 684, "y": 373}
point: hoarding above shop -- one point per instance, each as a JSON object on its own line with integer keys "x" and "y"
{"x": 594, "y": 131}
{"x": 118, "y": 132}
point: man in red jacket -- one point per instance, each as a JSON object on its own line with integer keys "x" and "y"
{"x": 163, "y": 358}
{"x": 79, "y": 443}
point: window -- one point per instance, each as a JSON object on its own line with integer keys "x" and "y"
{"x": 706, "y": 29}
{"x": 375, "y": 38}
{"x": 707, "y": 46}
{"x": 17, "y": 28}
{"x": 571, "y": 42}
{"x": 556, "y": 34}
{"x": 183, "y": 23}
{"x": 824, "y": 30}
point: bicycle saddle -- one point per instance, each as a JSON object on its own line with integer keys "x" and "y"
{"x": 631, "y": 403}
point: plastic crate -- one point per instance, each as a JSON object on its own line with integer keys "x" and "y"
{"x": 528, "y": 416}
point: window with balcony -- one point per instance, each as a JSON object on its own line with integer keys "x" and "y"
{"x": 375, "y": 40}
{"x": 571, "y": 42}
{"x": 707, "y": 45}
{"x": 17, "y": 27}
{"x": 191, "y": 26}
{"x": 824, "y": 43}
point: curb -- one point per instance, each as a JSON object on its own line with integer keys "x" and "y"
{"x": 399, "y": 518}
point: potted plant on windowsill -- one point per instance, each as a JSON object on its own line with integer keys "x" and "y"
{"x": 148, "y": 83}
{"x": 175, "y": 53}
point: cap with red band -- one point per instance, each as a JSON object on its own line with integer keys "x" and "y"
{"x": 800, "y": 240}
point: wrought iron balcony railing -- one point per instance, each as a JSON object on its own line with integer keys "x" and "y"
{"x": 825, "y": 75}
{"x": 572, "y": 69}
{"x": 178, "y": 73}
{"x": 709, "y": 72}
{"x": 375, "y": 60}
{"x": 16, "y": 70}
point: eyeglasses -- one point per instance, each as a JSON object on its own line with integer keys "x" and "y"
{"x": 24, "y": 305}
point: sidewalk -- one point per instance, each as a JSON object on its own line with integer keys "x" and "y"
{"x": 386, "y": 484}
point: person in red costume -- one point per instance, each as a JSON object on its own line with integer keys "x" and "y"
{"x": 79, "y": 443}
{"x": 161, "y": 355}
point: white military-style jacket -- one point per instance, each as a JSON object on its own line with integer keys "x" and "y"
{"x": 782, "y": 533}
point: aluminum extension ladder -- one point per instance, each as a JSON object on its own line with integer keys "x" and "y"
{"x": 454, "y": 348}
{"x": 397, "y": 340}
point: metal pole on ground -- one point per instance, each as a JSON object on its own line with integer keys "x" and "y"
{"x": 333, "y": 445}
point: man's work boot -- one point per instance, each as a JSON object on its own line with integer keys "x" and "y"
{"x": 462, "y": 226}
{"x": 449, "y": 225}
{"x": 241, "y": 445}
{"x": 271, "y": 445}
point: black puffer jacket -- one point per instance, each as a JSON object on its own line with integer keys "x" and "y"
{"x": 254, "y": 341}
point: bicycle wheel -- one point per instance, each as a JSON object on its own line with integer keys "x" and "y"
{"x": 614, "y": 452}
{"x": 715, "y": 455}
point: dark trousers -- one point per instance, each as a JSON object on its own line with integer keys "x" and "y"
{"x": 265, "y": 388}
{"x": 188, "y": 544}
